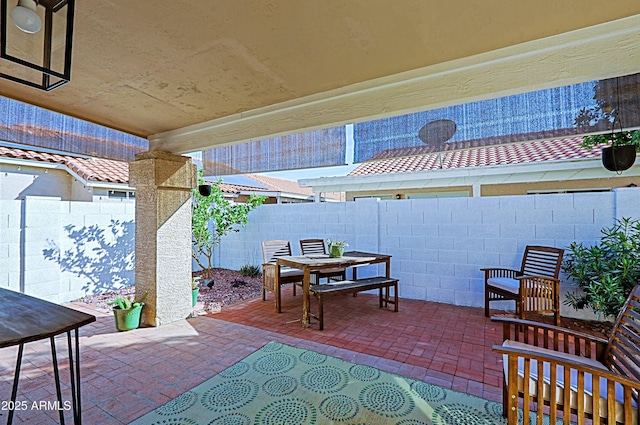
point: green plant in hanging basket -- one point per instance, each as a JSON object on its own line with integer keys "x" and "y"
{"x": 619, "y": 138}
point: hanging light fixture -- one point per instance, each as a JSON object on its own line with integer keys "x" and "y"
{"x": 35, "y": 43}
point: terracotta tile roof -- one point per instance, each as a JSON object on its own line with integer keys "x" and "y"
{"x": 109, "y": 171}
{"x": 516, "y": 153}
{"x": 90, "y": 169}
{"x": 236, "y": 188}
{"x": 102, "y": 170}
{"x": 275, "y": 184}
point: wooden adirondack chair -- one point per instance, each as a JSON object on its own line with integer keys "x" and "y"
{"x": 270, "y": 251}
{"x": 535, "y": 287}
{"x": 560, "y": 372}
{"x": 317, "y": 247}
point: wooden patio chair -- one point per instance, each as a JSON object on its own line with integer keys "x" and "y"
{"x": 572, "y": 375}
{"x": 535, "y": 287}
{"x": 317, "y": 246}
{"x": 270, "y": 251}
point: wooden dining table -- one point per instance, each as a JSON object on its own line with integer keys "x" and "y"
{"x": 319, "y": 262}
{"x": 24, "y": 319}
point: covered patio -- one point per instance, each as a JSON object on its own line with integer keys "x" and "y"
{"x": 128, "y": 374}
{"x": 188, "y": 78}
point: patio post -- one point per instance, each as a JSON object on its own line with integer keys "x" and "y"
{"x": 163, "y": 183}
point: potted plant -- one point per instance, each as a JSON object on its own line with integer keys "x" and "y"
{"x": 336, "y": 247}
{"x": 127, "y": 312}
{"x": 620, "y": 154}
{"x": 195, "y": 290}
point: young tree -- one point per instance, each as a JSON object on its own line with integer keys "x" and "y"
{"x": 213, "y": 217}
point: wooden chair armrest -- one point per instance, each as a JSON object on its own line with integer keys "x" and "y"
{"x": 506, "y": 321}
{"x": 567, "y": 363}
{"x": 557, "y": 338}
{"x": 500, "y": 272}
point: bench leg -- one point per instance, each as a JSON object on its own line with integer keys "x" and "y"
{"x": 320, "y": 313}
{"x": 395, "y": 297}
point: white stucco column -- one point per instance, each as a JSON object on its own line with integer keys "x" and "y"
{"x": 163, "y": 183}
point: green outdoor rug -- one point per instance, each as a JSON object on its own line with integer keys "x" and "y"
{"x": 279, "y": 384}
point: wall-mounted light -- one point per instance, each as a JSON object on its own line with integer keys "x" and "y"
{"x": 398, "y": 196}
{"x": 35, "y": 42}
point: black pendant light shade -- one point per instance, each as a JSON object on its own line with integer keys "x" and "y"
{"x": 35, "y": 43}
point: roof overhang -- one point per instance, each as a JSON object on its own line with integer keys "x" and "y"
{"x": 194, "y": 75}
{"x": 602, "y": 51}
{"x": 547, "y": 171}
{"x": 56, "y": 166}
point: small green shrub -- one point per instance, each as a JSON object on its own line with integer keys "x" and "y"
{"x": 250, "y": 270}
{"x": 606, "y": 272}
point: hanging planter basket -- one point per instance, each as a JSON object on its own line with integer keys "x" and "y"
{"x": 204, "y": 189}
{"x": 618, "y": 158}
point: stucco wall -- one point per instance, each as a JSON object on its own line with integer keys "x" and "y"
{"x": 61, "y": 250}
{"x": 439, "y": 245}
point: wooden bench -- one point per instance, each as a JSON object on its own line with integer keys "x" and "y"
{"x": 383, "y": 284}
{"x": 603, "y": 376}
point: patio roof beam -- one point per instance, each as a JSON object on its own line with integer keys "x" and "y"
{"x": 602, "y": 51}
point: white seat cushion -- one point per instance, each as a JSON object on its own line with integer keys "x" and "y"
{"x": 560, "y": 384}
{"x": 505, "y": 283}
{"x": 289, "y": 272}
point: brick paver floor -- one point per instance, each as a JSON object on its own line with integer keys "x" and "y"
{"x": 127, "y": 374}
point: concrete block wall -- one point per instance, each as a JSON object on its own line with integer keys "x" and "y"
{"x": 33, "y": 225}
{"x": 439, "y": 245}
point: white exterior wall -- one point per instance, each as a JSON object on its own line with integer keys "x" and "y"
{"x": 30, "y": 226}
{"x": 16, "y": 182}
{"x": 439, "y": 245}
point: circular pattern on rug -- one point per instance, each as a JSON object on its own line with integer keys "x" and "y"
{"x": 386, "y": 399}
{"x": 460, "y": 414}
{"x": 411, "y": 422}
{"x": 280, "y": 386}
{"x": 178, "y": 404}
{"x": 339, "y": 407}
{"x": 230, "y": 395}
{"x": 311, "y": 357}
{"x": 493, "y": 408}
{"x": 175, "y": 421}
{"x": 272, "y": 346}
{"x": 275, "y": 363}
{"x": 232, "y": 419}
{"x": 364, "y": 373}
{"x": 429, "y": 392}
{"x": 324, "y": 379}
{"x": 236, "y": 370}
{"x": 287, "y": 411}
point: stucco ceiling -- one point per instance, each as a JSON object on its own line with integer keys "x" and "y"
{"x": 152, "y": 68}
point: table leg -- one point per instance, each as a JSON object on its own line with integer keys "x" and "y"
{"x": 56, "y": 375}
{"x": 74, "y": 373}
{"x": 14, "y": 389}
{"x": 305, "y": 297}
